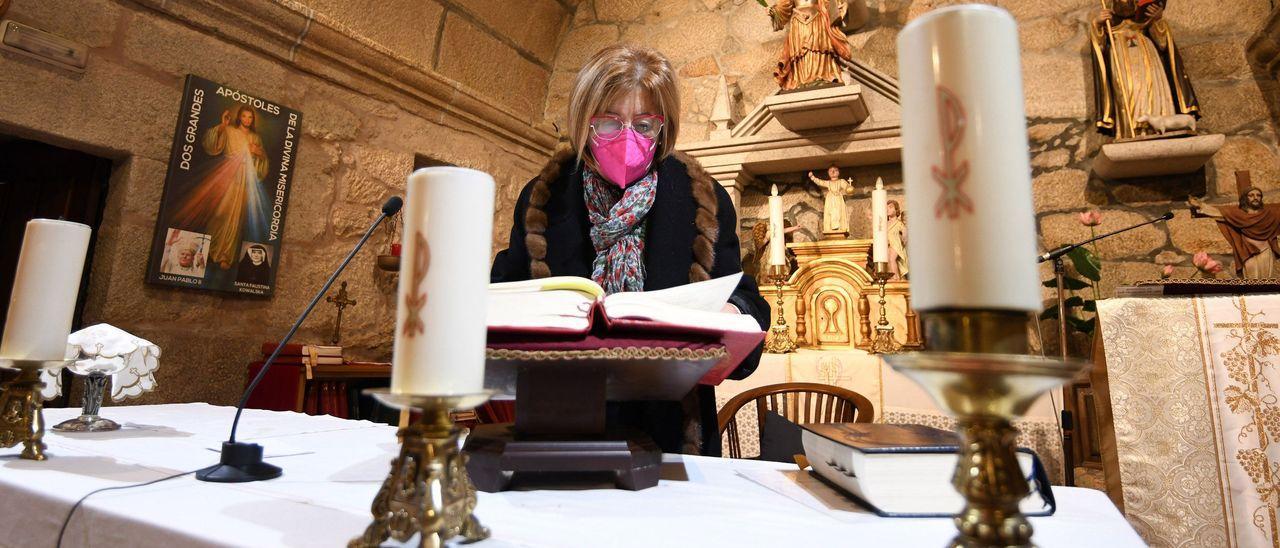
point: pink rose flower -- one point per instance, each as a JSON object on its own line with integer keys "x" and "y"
{"x": 1166, "y": 272}
{"x": 1200, "y": 259}
{"x": 1091, "y": 218}
{"x": 1213, "y": 267}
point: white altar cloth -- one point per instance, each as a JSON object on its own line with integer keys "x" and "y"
{"x": 324, "y": 495}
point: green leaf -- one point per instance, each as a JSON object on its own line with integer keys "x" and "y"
{"x": 1086, "y": 263}
{"x": 763, "y": 3}
{"x": 1071, "y": 283}
{"x": 1091, "y": 306}
{"x": 1050, "y": 313}
{"x": 1074, "y": 302}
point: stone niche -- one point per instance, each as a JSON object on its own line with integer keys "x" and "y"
{"x": 851, "y": 125}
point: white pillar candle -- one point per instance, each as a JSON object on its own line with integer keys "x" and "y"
{"x": 444, "y": 279}
{"x": 777, "y": 231}
{"x": 879, "y": 223}
{"x": 966, "y": 162}
{"x": 45, "y": 288}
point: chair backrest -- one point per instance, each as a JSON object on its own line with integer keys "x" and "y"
{"x": 798, "y": 402}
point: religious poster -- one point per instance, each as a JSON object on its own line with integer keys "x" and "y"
{"x": 226, "y": 192}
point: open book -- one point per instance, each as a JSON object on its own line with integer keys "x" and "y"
{"x": 567, "y": 303}
{"x": 577, "y": 309}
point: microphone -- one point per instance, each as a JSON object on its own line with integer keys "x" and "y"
{"x": 1059, "y": 252}
{"x": 1051, "y": 255}
{"x": 394, "y": 203}
{"x": 242, "y": 462}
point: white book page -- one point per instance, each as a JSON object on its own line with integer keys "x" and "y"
{"x": 708, "y": 296}
{"x": 696, "y": 305}
{"x": 680, "y": 316}
{"x": 543, "y": 309}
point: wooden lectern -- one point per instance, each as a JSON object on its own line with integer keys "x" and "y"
{"x": 560, "y": 409}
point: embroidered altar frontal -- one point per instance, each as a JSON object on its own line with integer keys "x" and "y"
{"x": 1197, "y": 419}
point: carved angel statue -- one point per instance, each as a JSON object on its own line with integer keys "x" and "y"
{"x": 760, "y": 247}
{"x": 1140, "y": 84}
{"x": 834, "y": 215}
{"x": 814, "y": 44}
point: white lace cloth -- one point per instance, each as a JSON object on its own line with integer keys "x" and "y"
{"x": 130, "y": 361}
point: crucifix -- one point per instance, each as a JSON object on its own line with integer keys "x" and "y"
{"x": 1251, "y": 226}
{"x": 341, "y": 301}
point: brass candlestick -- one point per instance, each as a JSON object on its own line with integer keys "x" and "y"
{"x": 779, "y": 341}
{"x": 883, "y": 343}
{"x": 428, "y": 490}
{"x": 979, "y": 368}
{"x": 22, "y": 408}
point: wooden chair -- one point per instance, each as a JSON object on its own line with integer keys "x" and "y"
{"x": 798, "y": 402}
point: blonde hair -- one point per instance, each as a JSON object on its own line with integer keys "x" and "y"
{"x": 616, "y": 70}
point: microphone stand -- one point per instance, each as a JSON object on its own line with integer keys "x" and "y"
{"x": 242, "y": 462}
{"x": 1059, "y": 274}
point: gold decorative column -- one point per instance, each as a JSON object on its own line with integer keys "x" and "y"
{"x": 779, "y": 341}
{"x": 884, "y": 343}
{"x": 428, "y": 490}
{"x": 979, "y": 369}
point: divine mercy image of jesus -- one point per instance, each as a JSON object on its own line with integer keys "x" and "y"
{"x": 231, "y": 202}
{"x": 229, "y": 177}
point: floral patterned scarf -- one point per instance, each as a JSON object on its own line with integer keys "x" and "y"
{"x": 617, "y": 229}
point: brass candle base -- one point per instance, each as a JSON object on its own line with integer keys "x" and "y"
{"x": 779, "y": 340}
{"x": 884, "y": 343}
{"x": 427, "y": 490}
{"x": 985, "y": 391}
{"x": 22, "y": 408}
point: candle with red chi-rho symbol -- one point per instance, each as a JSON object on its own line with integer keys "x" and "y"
{"x": 444, "y": 281}
{"x": 966, "y": 163}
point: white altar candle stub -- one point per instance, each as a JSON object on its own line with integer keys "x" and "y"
{"x": 45, "y": 287}
{"x": 777, "y": 230}
{"x": 879, "y": 223}
{"x": 444, "y": 281}
{"x": 966, "y": 163}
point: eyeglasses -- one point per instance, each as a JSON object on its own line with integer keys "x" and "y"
{"x": 609, "y": 127}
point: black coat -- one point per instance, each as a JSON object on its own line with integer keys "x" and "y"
{"x": 668, "y": 254}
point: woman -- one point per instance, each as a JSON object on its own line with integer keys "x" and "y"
{"x": 230, "y": 203}
{"x": 619, "y": 205}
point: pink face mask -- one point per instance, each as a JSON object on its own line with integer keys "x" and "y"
{"x": 625, "y": 159}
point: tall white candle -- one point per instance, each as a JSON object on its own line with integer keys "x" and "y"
{"x": 45, "y": 288}
{"x": 879, "y": 223}
{"x": 777, "y": 231}
{"x": 966, "y": 162}
{"x": 444, "y": 279}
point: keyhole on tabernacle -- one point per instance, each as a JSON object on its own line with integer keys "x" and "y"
{"x": 831, "y": 323}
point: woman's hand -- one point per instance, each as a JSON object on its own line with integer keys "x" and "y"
{"x": 730, "y": 309}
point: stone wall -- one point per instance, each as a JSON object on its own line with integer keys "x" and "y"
{"x": 378, "y": 82}
{"x": 477, "y": 83}
{"x": 709, "y": 38}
